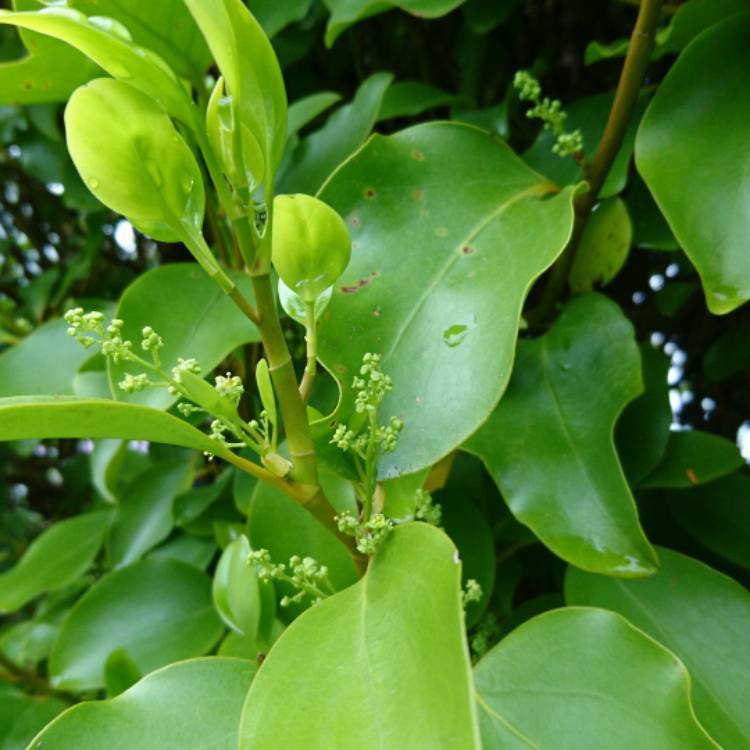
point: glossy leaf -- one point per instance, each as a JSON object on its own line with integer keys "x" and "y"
{"x": 159, "y": 611}
{"x": 144, "y": 514}
{"x": 132, "y": 158}
{"x": 345, "y": 13}
{"x": 22, "y": 716}
{"x": 410, "y": 98}
{"x": 194, "y": 704}
{"x": 694, "y": 457}
{"x": 249, "y": 65}
{"x": 434, "y": 313}
{"x": 57, "y": 557}
{"x": 182, "y": 47}
{"x": 108, "y": 43}
{"x": 120, "y": 672}
{"x": 246, "y": 604}
{"x": 330, "y": 680}
{"x": 603, "y": 248}
{"x": 717, "y": 515}
{"x": 50, "y": 71}
{"x": 700, "y": 615}
{"x": 305, "y": 110}
{"x": 344, "y": 132}
{"x": 274, "y": 16}
{"x": 200, "y": 321}
{"x": 642, "y": 431}
{"x": 589, "y": 115}
{"x": 188, "y": 549}
{"x": 701, "y": 107}
{"x": 29, "y": 417}
{"x": 549, "y": 444}
{"x": 585, "y": 679}
{"x": 24, "y": 369}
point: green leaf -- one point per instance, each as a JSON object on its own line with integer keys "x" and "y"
{"x": 49, "y": 73}
{"x": 410, "y": 98}
{"x": 200, "y": 321}
{"x": 120, "y": 672}
{"x": 247, "y": 61}
{"x": 284, "y": 528}
{"x": 274, "y": 16}
{"x": 344, "y": 132}
{"x": 701, "y": 108}
{"x": 246, "y": 604}
{"x": 549, "y": 444}
{"x": 589, "y": 115}
{"x": 108, "y": 44}
{"x": 305, "y": 110}
{"x": 700, "y": 615}
{"x": 642, "y": 431}
{"x": 159, "y": 611}
{"x": 132, "y": 158}
{"x": 345, "y": 13}
{"x": 434, "y": 312}
{"x": 484, "y": 15}
{"x": 189, "y": 549}
{"x": 382, "y": 664}
{"x": 650, "y": 228}
{"x": 144, "y": 514}
{"x": 717, "y": 515}
{"x": 182, "y": 47}
{"x": 585, "y": 679}
{"x": 22, "y": 716}
{"x": 729, "y": 355}
{"x": 693, "y": 457}
{"x": 195, "y": 704}
{"x": 24, "y": 368}
{"x": 604, "y": 246}
{"x": 57, "y": 557}
{"x": 68, "y": 417}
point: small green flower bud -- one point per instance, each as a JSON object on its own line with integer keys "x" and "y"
{"x": 311, "y": 246}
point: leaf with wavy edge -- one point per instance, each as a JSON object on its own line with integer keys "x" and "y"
{"x": 444, "y": 251}
{"x": 585, "y": 679}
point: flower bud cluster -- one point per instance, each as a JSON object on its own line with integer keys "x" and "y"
{"x": 426, "y": 509}
{"x": 369, "y": 535}
{"x": 550, "y": 112}
{"x": 305, "y": 574}
{"x": 472, "y": 592}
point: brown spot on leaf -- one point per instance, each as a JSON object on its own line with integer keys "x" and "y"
{"x": 692, "y": 476}
{"x": 418, "y": 195}
{"x": 352, "y": 288}
{"x": 417, "y": 155}
{"x": 467, "y": 250}
{"x": 356, "y": 221}
{"x": 369, "y": 193}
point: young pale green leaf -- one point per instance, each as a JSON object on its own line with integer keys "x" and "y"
{"x": 183, "y": 47}
{"x": 700, "y": 615}
{"x": 717, "y": 514}
{"x": 144, "y": 514}
{"x": 345, "y": 13}
{"x": 694, "y": 457}
{"x": 693, "y": 151}
{"x": 248, "y": 63}
{"x": 24, "y": 369}
{"x": 131, "y": 157}
{"x": 22, "y": 716}
{"x": 549, "y": 444}
{"x": 603, "y": 248}
{"x": 108, "y": 43}
{"x": 24, "y": 418}
{"x": 59, "y": 556}
{"x": 344, "y": 132}
{"x": 586, "y": 679}
{"x": 195, "y": 704}
{"x": 642, "y": 431}
{"x": 382, "y": 664}
{"x": 159, "y": 611}
{"x": 199, "y": 322}
{"x": 49, "y": 73}
{"x": 246, "y": 604}
{"x": 446, "y": 336}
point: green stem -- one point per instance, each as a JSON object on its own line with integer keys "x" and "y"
{"x": 628, "y": 88}
{"x": 311, "y": 337}
{"x": 33, "y": 681}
